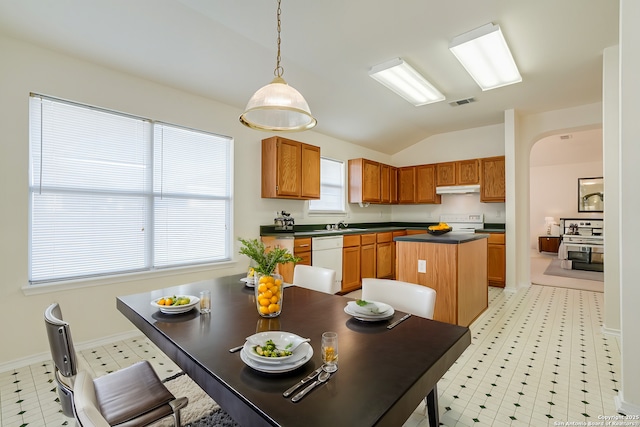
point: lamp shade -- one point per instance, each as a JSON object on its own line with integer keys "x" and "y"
{"x": 278, "y": 107}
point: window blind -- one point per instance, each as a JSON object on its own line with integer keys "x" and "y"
{"x": 113, "y": 193}
{"x": 331, "y": 187}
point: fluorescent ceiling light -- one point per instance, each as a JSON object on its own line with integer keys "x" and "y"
{"x": 401, "y": 78}
{"x": 485, "y": 55}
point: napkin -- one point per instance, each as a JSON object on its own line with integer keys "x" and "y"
{"x": 368, "y": 308}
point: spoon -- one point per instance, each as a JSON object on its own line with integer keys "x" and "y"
{"x": 323, "y": 377}
{"x": 296, "y": 345}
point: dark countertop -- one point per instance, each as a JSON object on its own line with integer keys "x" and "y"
{"x": 452, "y": 238}
{"x": 318, "y": 230}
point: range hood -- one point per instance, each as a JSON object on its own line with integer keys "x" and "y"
{"x": 458, "y": 189}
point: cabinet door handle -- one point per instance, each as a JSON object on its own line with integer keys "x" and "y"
{"x": 304, "y": 246}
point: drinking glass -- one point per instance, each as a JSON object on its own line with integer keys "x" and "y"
{"x": 205, "y": 302}
{"x": 329, "y": 348}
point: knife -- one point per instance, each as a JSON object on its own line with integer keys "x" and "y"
{"x": 397, "y": 322}
{"x": 303, "y": 381}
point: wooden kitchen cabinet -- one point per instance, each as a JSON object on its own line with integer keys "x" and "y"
{"x": 290, "y": 169}
{"x": 446, "y": 174}
{"x": 393, "y": 185}
{"x": 425, "y": 189}
{"x": 461, "y": 172}
{"x": 394, "y": 250}
{"x": 367, "y": 255}
{"x": 549, "y": 244}
{"x": 385, "y": 184}
{"x": 406, "y": 184}
{"x": 384, "y": 255}
{"x": 364, "y": 181}
{"x": 496, "y": 260}
{"x": 302, "y": 249}
{"x": 350, "y": 263}
{"x": 492, "y": 185}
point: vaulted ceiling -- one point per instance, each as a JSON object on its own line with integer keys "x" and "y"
{"x": 226, "y": 49}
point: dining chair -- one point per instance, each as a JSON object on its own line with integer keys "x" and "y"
{"x": 411, "y": 298}
{"x": 316, "y": 278}
{"x": 132, "y": 396}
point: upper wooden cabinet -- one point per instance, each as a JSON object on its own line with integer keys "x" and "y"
{"x": 385, "y": 183}
{"x": 462, "y": 172}
{"x": 393, "y": 184}
{"x": 364, "y": 181}
{"x": 406, "y": 184}
{"x": 492, "y": 187}
{"x": 426, "y": 184}
{"x": 290, "y": 169}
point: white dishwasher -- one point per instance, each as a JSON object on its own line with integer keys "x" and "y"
{"x": 326, "y": 252}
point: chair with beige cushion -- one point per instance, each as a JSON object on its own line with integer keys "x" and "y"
{"x": 316, "y": 278}
{"x": 133, "y": 396}
{"x": 411, "y": 298}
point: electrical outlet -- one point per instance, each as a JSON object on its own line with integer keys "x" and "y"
{"x": 422, "y": 266}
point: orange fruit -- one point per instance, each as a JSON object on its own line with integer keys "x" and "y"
{"x": 274, "y": 299}
{"x": 278, "y": 282}
{"x": 264, "y": 310}
{"x": 262, "y": 287}
{"x": 264, "y": 302}
{"x": 273, "y": 308}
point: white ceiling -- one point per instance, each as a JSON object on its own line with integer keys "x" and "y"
{"x": 225, "y": 50}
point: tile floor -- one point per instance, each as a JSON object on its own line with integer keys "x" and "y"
{"x": 537, "y": 357}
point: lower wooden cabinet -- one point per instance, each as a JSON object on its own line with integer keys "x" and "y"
{"x": 394, "y": 248}
{"x": 496, "y": 260}
{"x": 384, "y": 255}
{"x": 302, "y": 249}
{"x": 350, "y": 263}
{"x": 368, "y": 255}
{"x": 549, "y": 244}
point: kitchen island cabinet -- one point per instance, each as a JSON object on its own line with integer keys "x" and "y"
{"x": 454, "y": 265}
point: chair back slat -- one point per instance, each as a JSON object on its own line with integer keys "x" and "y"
{"x": 60, "y": 342}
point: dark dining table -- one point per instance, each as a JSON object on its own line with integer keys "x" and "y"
{"x": 383, "y": 373}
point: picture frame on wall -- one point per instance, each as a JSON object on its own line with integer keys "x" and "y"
{"x": 591, "y": 194}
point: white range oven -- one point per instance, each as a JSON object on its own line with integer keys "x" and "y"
{"x": 582, "y": 246}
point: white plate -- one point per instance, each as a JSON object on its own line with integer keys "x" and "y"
{"x": 383, "y": 309}
{"x": 248, "y": 282}
{"x": 307, "y": 352}
{"x": 280, "y": 338}
{"x": 176, "y": 309}
{"x": 387, "y": 315}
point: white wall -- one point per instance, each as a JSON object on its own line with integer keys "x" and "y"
{"x": 554, "y": 192}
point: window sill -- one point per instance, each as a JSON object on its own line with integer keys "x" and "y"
{"x": 121, "y": 278}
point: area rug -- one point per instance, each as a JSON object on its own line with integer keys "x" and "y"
{"x": 554, "y": 269}
{"x": 202, "y": 411}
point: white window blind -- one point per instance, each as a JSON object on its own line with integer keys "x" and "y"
{"x": 112, "y": 193}
{"x": 331, "y": 187}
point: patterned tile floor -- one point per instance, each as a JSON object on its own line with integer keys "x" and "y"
{"x": 537, "y": 357}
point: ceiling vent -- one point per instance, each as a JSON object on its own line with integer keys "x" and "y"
{"x": 460, "y": 102}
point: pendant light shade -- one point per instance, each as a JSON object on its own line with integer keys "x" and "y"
{"x": 277, "y": 106}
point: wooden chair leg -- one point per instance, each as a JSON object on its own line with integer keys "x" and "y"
{"x": 431, "y": 401}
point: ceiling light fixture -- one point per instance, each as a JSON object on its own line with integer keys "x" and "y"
{"x": 484, "y": 53}
{"x": 278, "y": 106}
{"x": 401, "y": 78}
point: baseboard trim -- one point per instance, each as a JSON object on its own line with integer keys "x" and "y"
{"x": 626, "y": 408}
{"x": 46, "y": 356}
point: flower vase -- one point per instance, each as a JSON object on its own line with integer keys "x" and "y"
{"x": 268, "y": 290}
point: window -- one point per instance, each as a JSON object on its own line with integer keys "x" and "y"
{"x": 112, "y": 193}
{"x": 331, "y": 187}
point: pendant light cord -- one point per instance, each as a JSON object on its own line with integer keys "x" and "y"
{"x": 279, "y": 71}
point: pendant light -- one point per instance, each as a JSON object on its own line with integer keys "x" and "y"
{"x": 278, "y": 106}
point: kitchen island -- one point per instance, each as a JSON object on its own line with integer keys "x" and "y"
{"x": 454, "y": 265}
